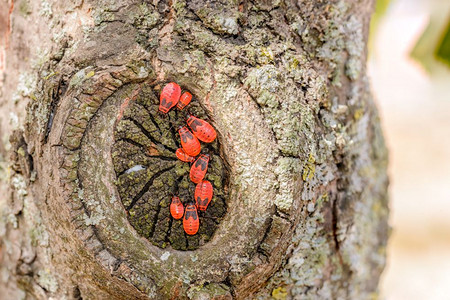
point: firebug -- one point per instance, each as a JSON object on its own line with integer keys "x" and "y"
{"x": 201, "y": 129}
{"x": 176, "y": 208}
{"x": 203, "y": 194}
{"x": 184, "y": 100}
{"x": 199, "y": 168}
{"x": 190, "y": 220}
{"x": 169, "y": 97}
{"x": 181, "y": 155}
{"x": 189, "y": 142}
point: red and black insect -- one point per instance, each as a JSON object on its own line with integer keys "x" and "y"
{"x": 203, "y": 194}
{"x": 189, "y": 142}
{"x": 169, "y": 97}
{"x": 176, "y": 208}
{"x": 199, "y": 168}
{"x": 181, "y": 155}
{"x": 190, "y": 220}
{"x": 201, "y": 129}
{"x": 184, "y": 100}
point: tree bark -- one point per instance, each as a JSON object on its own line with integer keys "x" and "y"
{"x": 300, "y": 163}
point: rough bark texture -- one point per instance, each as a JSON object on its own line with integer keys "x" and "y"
{"x": 302, "y": 154}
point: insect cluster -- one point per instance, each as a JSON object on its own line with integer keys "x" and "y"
{"x": 200, "y": 130}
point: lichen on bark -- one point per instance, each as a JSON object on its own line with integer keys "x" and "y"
{"x": 283, "y": 83}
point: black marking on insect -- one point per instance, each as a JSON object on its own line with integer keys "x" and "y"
{"x": 200, "y": 162}
{"x": 190, "y": 213}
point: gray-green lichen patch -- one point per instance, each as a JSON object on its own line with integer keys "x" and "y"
{"x": 342, "y": 41}
{"x": 20, "y": 186}
{"x": 335, "y": 36}
{"x": 25, "y": 87}
{"x": 143, "y": 16}
{"x": 149, "y": 174}
{"x": 209, "y": 291}
{"x": 285, "y": 108}
{"x": 47, "y": 281}
{"x": 96, "y": 215}
{"x": 313, "y": 253}
{"x": 288, "y": 171}
{"x": 46, "y": 9}
{"x": 225, "y": 21}
{"x": 355, "y": 46}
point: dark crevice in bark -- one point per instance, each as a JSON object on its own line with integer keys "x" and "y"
{"x": 147, "y": 186}
{"x": 117, "y": 264}
{"x": 159, "y": 157}
{"x": 151, "y": 117}
{"x": 141, "y": 127}
{"x": 266, "y": 233}
{"x": 282, "y": 154}
{"x": 30, "y": 160}
{"x": 155, "y": 219}
{"x": 176, "y": 192}
{"x": 337, "y": 198}
{"x": 228, "y": 283}
{"x": 173, "y": 132}
{"x": 282, "y": 215}
{"x": 166, "y": 238}
{"x": 305, "y": 88}
{"x": 165, "y": 158}
{"x": 186, "y": 238}
{"x": 132, "y": 142}
{"x": 237, "y": 40}
{"x": 77, "y": 294}
{"x": 56, "y": 96}
{"x": 148, "y": 134}
{"x": 334, "y": 223}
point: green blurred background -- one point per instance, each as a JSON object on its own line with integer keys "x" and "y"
{"x": 409, "y": 66}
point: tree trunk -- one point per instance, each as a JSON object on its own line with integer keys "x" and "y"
{"x": 299, "y": 166}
